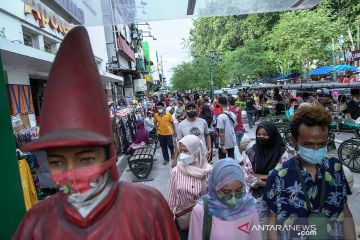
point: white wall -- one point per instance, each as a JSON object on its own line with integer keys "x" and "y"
{"x": 15, "y": 7}
{"x": 97, "y": 39}
{"x": 20, "y": 77}
{"x": 11, "y": 25}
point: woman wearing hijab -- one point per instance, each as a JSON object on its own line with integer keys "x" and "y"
{"x": 188, "y": 181}
{"x": 141, "y": 137}
{"x": 230, "y": 207}
{"x": 262, "y": 157}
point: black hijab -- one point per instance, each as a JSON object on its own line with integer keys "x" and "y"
{"x": 266, "y": 157}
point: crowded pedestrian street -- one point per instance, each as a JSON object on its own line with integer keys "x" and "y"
{"x": 180, "y": 119}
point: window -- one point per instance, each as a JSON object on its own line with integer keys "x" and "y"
{"x": 47, "y": 47}
{"x": 28, "y": 40}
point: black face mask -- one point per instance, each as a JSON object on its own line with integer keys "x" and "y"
{"x": 191, "y": 114}
{"x": 263, "y": 141}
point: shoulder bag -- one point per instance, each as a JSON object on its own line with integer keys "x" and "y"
{"x": 319, "y": 219}
{"x": 207, "y": 221}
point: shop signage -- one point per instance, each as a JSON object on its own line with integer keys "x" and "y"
{"x": 45, "y": 16}
{"x": 356, "y": 55}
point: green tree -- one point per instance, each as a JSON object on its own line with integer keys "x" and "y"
{"x": 195, "y": 75}
{"x": 300, "y": 37}
{"x": 248, "y": 63}
{"x": 229, "y": 32}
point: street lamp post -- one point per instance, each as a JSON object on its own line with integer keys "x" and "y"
{"x": 214, "y": 58}
{"x": 334, "y": 60}
{"x": 341, "y": 42}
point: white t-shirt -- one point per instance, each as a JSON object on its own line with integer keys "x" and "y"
{"x": 198, "y": 128}
{"x": 223, "y": 122}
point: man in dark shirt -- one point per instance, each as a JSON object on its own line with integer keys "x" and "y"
{"x": 250, "y": 110}
{"x": 353, "y": 107}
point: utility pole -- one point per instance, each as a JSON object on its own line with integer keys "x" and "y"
{"x": 162, "y": 71}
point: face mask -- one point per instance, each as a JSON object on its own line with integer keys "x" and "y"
{"x": 160, "y": 111}
{"x": 186, "y": 158}
{"x": 231, "y": 199}
{"x": 87, "y": 201}
{"x": 191, "y": 114}
{"x": 312, "y": 156}
{"x": 263, "y": 141}
{"x": 81, "y": 179}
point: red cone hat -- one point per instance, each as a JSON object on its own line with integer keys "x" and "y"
{"x": 74, "y": 111}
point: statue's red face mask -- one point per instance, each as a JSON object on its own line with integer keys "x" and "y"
{"x": 78, "y": 180}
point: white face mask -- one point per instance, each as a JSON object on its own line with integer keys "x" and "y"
{"x": 186, "y": 158}
{"x": 160, "y": 111}
{"x": 84, "y": 203}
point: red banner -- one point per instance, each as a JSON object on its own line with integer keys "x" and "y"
{"x": 126, "y": 48}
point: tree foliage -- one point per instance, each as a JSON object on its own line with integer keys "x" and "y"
{"x": 195, "y": 75}
{"x": 261, "y": 45}
{"x": 299, "y": 37}
{"x": 248, "y": 62}
{"x": 229, "y": 32}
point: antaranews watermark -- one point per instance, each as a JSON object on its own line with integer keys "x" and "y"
{"x": 302, "y": 230}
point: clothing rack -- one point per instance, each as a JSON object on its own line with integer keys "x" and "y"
{"x": 26, "y": 136}
{"x": 124, "y": 129}
{"x": 34, "y": 168}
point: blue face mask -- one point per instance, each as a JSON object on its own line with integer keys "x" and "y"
{"x": 312, "y": 156}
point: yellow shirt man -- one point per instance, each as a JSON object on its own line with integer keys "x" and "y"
{"x": 164, "y": 123}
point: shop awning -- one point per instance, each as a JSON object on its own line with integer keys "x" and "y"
{"x": 152, "y": 10}
{"x": 329, "y": 70}
{"x": 111, "y": 78}
{"x": 281, "y": 77}
{"x": 134, "y": 11}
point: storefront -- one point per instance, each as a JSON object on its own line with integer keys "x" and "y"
{"x": 30, "y": 36}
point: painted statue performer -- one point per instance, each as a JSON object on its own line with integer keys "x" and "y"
{"x": 77, "y": 136}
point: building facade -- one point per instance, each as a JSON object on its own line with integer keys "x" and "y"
{"x": 30, "y": 34}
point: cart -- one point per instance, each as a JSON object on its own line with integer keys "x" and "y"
{"x": 349, "y": 154}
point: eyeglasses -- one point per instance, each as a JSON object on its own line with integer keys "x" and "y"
{"x": 227, "y": 196}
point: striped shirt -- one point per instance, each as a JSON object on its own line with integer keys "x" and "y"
{"x": 184, "y": 189}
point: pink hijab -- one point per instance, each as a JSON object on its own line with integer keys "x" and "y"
{"x": 200, "y": 167}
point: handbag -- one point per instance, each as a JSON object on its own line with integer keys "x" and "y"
{"x": 319, "y": 220}
{"x": 183, "y": 215}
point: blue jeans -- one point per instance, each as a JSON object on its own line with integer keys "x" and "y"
{"x": 250, "y": 116}
{"x": 239, "y": 136}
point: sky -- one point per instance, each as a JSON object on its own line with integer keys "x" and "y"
{"x": 169, "y": 35}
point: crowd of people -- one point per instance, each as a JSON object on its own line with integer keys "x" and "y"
{"x": 253, "y": 191}
{"x": 263, "y": 176}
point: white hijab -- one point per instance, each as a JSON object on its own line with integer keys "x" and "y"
{"x": 200, "y": 167}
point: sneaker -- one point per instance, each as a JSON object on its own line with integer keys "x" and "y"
{"x": 165, "y": 162}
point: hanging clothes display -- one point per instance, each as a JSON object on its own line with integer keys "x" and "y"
{"x": 27, "y": 183}
{"x": 26, "y": 136}
{"x": 34, "y": 168}
{"x": 124, "y": 128}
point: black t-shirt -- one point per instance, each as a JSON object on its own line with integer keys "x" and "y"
{"x": 250, "y": 104}
{"x": 353, "y": 109}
